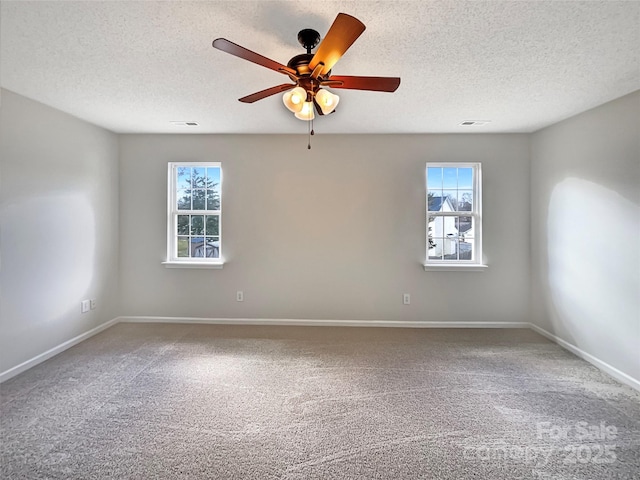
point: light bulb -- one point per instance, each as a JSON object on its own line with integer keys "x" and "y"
{"x": 294, "y": 99}
{"x": 327, "y": 101}
{"x": 306, "y": 113}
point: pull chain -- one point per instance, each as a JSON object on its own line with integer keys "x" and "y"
{"x": 309, "y": 134}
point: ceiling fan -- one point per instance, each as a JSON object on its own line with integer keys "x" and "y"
{"x": 310, "y": 72}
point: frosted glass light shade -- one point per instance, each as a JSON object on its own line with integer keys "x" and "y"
{"x": 307, "y": 112}
{"x": 327, "y": 101}
{"x": 294, "y": 99}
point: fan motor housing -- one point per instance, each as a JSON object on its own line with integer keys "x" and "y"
{"x": 300, "y": 63}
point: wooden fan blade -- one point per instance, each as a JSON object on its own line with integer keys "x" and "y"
{"x": 254, "y": 97}
{"x": 377, "y": 84}
{"x": 234, "y": 49}
{"x": 343, "y": 32}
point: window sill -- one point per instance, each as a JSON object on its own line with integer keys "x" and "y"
{"x": 216, "y": 265}
{"x": 451, "y": 267}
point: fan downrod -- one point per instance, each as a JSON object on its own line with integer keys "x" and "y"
{"x": 309, "y": 39}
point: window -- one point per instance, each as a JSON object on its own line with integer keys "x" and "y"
{"x": 454, "y": 223}
{"x": 194, "y": 223}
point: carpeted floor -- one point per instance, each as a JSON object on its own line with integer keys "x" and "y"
{"x": 148, "y": 401}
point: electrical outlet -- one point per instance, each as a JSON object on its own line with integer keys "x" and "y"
{"x": 84, "y": 306}
{"x": 406, "y": 298}
{"x": 239, "y": 296}
{"x": 93, "y": 304}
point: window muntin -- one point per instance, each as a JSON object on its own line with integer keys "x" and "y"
{"x": 195, "y": 210}
{"x": 453, "y": 213}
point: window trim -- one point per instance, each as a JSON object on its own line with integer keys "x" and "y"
{"x": 172, "y": 215}
{"x": 476, "y": 264}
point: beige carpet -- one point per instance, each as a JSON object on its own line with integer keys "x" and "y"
{"x": 213, "y": 402}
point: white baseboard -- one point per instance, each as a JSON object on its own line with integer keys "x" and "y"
{"x": 605, "y": 367}
{"x": 12, "y": 372}
{"x": 320, "y": 323}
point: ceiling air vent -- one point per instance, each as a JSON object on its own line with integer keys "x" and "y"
{"x": 474, "y": 123}
{"x": 184, "y": 124}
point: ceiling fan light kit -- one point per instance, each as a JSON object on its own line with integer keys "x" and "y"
{"x": 326, "y": 101}
{"x": 306, "y": 113}
{"x": 295, "y": 99}
{"x": 311, "y": 72}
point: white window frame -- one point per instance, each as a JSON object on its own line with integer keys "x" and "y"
{"x": 476, "y": 263}
{"x": 172, "y": 260}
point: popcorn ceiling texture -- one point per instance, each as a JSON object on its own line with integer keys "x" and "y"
{"x": 137, "y": 66}
{"x": 144, "y": 401}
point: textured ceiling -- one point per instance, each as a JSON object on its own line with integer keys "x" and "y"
{"x": 136, "y": 66}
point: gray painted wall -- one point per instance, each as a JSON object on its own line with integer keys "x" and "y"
{"x": 585, "y": 212}
{"x": 332, "y": 233}
{"x": 59, "y": 227}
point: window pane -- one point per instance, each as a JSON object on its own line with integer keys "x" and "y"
{"x": 449, "y": 201}
{"x": 197, "y": 247}
{"x": 184, "y": 178}
{"x": 196, "y": 190}
{"x": 183, "y": 246}
{"x": 452, "y": 213}
{"x": 198, "y": 177}
{"x": 213, "y": 247}
{"x": 449, "y": 229}
{"x": 184, "y": 199}
{"x": 450, "y": 248}
{"x": 465, "y": 178}
{"x": 450, "y": 178}
{"x": 434, "y": 198}
{"x": 465, "y": 200}
{"x": 464, "y": 226}
{"x": 212, "y": 225}
{"x": 435, "y": 249}
{"x": 431, "y": 241}
{"x": 434, "y": 178}
{"x": 197, "y": 224}
{"x": 198, "y": 199}
{"x": 213, "y": 200}
{"x": 436, "y": 226}
{"x": 213, "y": 178}
{"x": 465, "y": 248}
{"x": 183, "y": 224}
